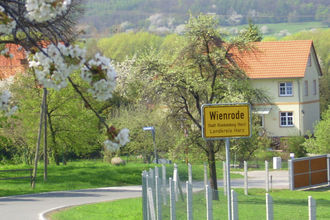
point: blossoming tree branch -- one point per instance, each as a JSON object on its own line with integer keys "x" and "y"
{"x": 45, "y": 29}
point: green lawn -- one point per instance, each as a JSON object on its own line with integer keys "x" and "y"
{"x": 89, "y": 174}
{"x": 290, "y": 205}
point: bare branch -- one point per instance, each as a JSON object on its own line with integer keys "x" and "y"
{"x": 88, "y": 104}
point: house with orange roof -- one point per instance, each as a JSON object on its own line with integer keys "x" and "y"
{"x": 288, "y": 72}
{"x": 12, "y": 64}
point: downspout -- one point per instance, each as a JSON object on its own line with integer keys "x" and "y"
{"x": 299, "y": 109}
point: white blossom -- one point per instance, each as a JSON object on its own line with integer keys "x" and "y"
{"x": 7, "y": 23}
{"x": 5, "y": 104}
{"x": 44, "y": 10}
{"x": 111, "y": 146}
{"x": 123, "y": 137}
{"x": 120, "y": 140}
{"x": 101, "y": 76}
{"x": 51, "y": 66}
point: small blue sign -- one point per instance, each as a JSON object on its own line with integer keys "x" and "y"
{"x": 148, "y": 128}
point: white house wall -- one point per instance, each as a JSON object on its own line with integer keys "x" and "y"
{"x": 280, "y": 104}
{"x": 310, "y": 104}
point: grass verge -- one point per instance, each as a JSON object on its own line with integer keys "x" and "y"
{"x": 89, "y": 174}
{"x": 290, "y": 205}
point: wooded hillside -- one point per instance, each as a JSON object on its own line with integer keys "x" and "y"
{"x": 151, "y": 14}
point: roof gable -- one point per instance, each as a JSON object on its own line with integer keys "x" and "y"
{"x": 275, "y": 59}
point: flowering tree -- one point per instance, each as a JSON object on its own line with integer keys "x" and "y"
{"x": 45, "y": 29}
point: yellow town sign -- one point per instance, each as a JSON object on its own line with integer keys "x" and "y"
{"x": 226, "y": 121}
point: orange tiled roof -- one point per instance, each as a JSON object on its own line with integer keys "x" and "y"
{"x": 276, "y": 59}
{"x": 11, "y": 66}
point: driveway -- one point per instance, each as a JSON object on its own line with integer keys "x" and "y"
{"x": 34, "y": 207}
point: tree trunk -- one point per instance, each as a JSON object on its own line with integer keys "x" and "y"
{"x": 212, "y": 170}
{"x": 57, "y": 158}
{"x": 55, "y": 155}
{"x": 36, "y": 158}
{"x": 45, "y": 136}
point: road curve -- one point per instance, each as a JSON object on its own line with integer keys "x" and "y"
{"x": 34, "y": 207}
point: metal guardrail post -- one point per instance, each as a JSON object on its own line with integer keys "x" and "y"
{"x": 151, "y": 204}
{"x": 234, "y": 205}
{"x": 245, "y": 178}
{"x": 164, "y": 187}
{"x": 158, "y": 198}
{"x": 189, "y": 201}
{"x": 172, "y": 200}
{"x": 209, "y": 208}
{"x": 205, "y": 175}
{"x": 311, "y": 208}
{"x": 144, "y": 196}
{"x": 224, "y": 178}
{"x": 291, "y": 177}
{"x": 189, "y": 173}
{"x": 267, "y": 175}
{"x": 269, "y": 207}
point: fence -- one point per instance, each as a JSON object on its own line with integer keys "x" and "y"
{"x": 167, "y": 198}
{"x": 309, "y": 171}
{"x": 16, "y": 171}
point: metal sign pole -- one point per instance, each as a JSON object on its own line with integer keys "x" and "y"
{"x": 228, "y": 177}
{"x": 152, "y": 129}
{"x": 155, "y": 149}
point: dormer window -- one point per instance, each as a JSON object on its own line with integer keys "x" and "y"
{"x": 285, "y": 89}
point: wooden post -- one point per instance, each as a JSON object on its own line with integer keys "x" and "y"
{"x": 45, "y": 136}
{"x": 36, "y": 158}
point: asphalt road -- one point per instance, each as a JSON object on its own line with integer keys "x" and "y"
{"x": 34, "y": 207}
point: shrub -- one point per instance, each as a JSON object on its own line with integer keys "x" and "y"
{"x": 295, "y": 145}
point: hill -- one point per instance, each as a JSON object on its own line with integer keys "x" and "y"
{"x": 111, "y": 16}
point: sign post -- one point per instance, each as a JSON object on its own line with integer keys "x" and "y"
{"x": 226, "y": 121}
{"x": 152, "y": 129}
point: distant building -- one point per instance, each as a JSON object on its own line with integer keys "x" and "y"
{"x": 14, "y": 62}
{"x": 288, "y": 71}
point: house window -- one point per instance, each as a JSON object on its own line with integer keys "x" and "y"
{"x": 306, "y": 88}
{"x": 314, "y": 87}
{"x": 285, "y": 89}
{"x": 286, "y": 119}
